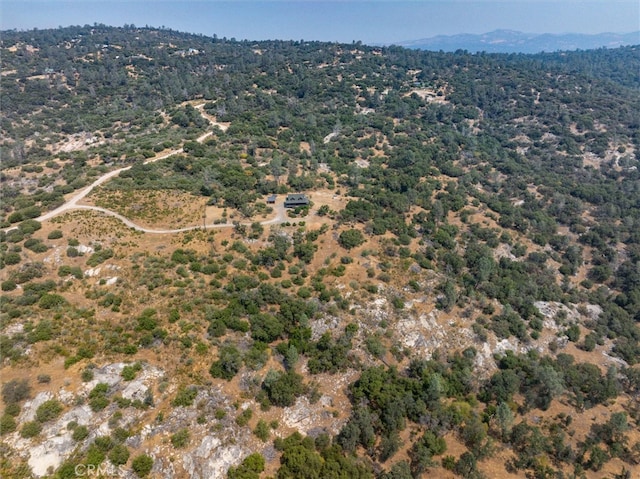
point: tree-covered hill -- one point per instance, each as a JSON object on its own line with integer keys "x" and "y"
{"x": 460, "y": 296}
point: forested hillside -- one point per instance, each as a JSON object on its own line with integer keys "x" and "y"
{"x": 460, "y": 298}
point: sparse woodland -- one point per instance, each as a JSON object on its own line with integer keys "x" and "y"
{"x": 461, "y": 298}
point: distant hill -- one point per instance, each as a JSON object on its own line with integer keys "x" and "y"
{"x": 509, "y": 41}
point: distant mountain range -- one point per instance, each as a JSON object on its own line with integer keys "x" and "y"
{"x": 509, "y": 41}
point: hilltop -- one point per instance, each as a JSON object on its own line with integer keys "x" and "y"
{"x": 460, "y": 297}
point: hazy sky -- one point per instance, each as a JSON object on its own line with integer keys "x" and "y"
{"x": 371, "y": 21}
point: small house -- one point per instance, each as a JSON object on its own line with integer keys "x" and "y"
{"x": 271, "y": 199}
{"x": 295, "y": 200}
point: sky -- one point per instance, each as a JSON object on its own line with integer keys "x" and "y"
{"x": 369, "y": 21}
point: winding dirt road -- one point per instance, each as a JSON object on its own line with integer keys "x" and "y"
{"x": 72, "y": 203}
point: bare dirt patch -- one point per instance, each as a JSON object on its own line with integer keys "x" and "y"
{"x": 153, "y": 208}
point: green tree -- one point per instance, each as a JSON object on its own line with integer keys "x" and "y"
{"x": 228, "y": 363}
{"x": 504, "y": 419}
{"x": 250, "y": 468}
{"x": 283, "y": 388}
{"x": 351, "y": 238}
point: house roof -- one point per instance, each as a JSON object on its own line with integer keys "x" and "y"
{"x": 296, "y": 199}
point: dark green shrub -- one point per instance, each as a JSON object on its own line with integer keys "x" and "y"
{"x": 129, "y": 372}
{"x": 16, "y": 390}
{"x": 35, "y": 245}
{"x": 99, "y": 257}
{"x": 49, "y": 410}
{"x": 351, "y": 238}
{"x": 250, "y": 468}
{"x": 98, "y": 397}
{"x": 7, "y": 424}
{"x": 262, "y": 430}
{"x": 12, "y": 258}
{"x": 228, "y": 364}
{"x": 30, "y": 226}
{"x": 8, "y": 285}
{"x": 142, "y": 465}
{"x": 87, "y": 375}
{"x": 181, "y": 438}
{"x": 119, "y": 455}
{"x": 30, "y": 429}
{"x": 283, "y": 388}
{"x": 244, "y": 417}
{"x": 51, "y": 300}
{"x": 13, "y": 409}
{"x": 80, "y": 433}
{"x": 185, "y": 396}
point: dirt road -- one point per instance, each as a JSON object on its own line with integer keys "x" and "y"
{"x": 72, "y": 203}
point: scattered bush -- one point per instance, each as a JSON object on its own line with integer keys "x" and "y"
{"x": 244, "y": 417}
{"x": 51, "y": 300}
{"x": 16, "y": 390}
{"x": 142, "y": 465}
{"x": 262, "y": 430}
{"x": 98, "y": 397}
{"x": 7, "y": 424}
{"x": 30, "y": 429}
{"x": 80, "y": 433}
{"x": 350, "y": 239}
{"x": 181, "y": 438}
{"x": 49, "y": 410}
{"x": 8, "y": 285}
{"x": 250, "y": 468}
{"x": 129, "y": 372}
{"x": 185, "y": 396}
{"x": 119, "y": 455}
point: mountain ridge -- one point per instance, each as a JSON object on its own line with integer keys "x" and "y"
{"x": 512, "y": 41}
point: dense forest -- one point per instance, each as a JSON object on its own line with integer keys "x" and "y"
{"x": 460, "y": 299}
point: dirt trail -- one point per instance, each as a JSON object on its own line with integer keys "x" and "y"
{"x": 279, "y": 218}
{"x": 72, "y": 203}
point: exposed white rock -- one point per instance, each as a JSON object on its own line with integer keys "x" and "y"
{"x": 322, "y": 325}
{"x": 212, "y": 458}
{"x": 66, "y": 397}
{"x": 109, "y": 374}
{"x": 305, "y": 416}
{"x": 329, "y": 137}
{"x": 29, "y": 409}
{"x": 137, "y": 389}
{"x": 83, "y": 415}
{"x": 16, "y": 328}
{"x": 92, "y": 272}
{"x": 423, "y": 334}
{"x": 50, "y": 453}
{"x": 55, "y": 257}
{"x": 82, "y": 249}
